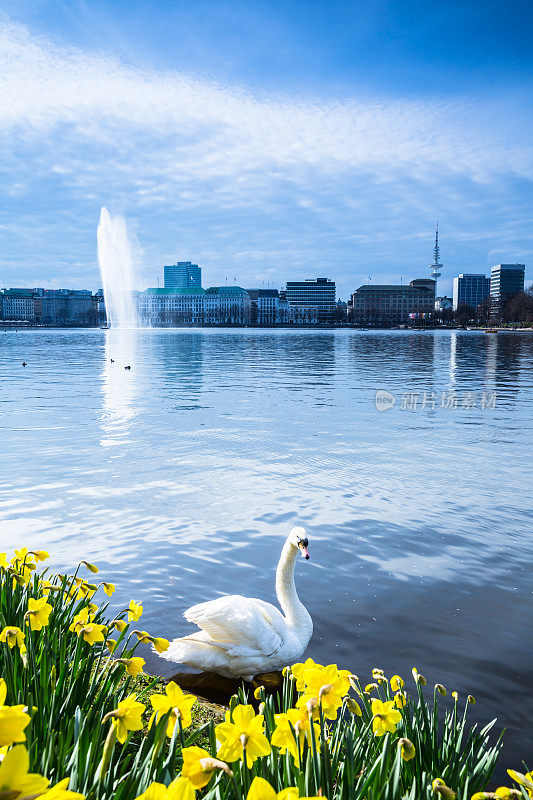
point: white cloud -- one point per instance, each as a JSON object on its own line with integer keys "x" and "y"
{"x": 245, "y": 177}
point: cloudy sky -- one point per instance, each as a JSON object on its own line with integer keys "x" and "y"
{"x": 268, "y": 140}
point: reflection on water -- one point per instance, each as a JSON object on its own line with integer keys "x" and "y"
{"x": 181, "y": 477}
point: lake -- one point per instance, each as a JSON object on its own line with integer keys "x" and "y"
{"x": 181, "y": 477}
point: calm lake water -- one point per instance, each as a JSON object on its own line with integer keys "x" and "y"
{"x": 182, "y": 476}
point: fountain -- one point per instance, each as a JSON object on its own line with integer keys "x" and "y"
{"x": 116, "y": 263}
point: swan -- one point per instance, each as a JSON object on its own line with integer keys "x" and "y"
{"x": 240, "y": 637}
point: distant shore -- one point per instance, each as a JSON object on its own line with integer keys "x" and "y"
{"x": 6, "y": 325}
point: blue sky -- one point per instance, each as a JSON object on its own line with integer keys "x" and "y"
{"x": 265, "y": 140}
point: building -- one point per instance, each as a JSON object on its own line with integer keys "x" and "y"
{"x": 268, "y": 307}
{"x": 311, "y": 300}
{"x": 384, "y": 304}
{"x": 470, "y": 289}
{"x": 506, "y": 281}
{"x": 194, "y": 305}
{"x": 436, "y": 267}
{"x": 65, "y": 307}
{"x": 17, "y": 305}
{"x": 182, "y": 275}
{"x": 171, "y": 306}
{"x": 443, "y": 304}
{"x": 227, "y": 305}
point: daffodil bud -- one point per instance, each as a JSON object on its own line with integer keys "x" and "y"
{"x": 91, "y": 567}
{"x": 407, "y": 749}
{"x": 442, "y": 790}
{"x": 233, "y": 701}
{"x": 258, "y": 692}
{"x": 326, "y": 689}
{"x": 353, "y": 707}
{"x": 286, "y": 671}
{"x": 311, "y": 706}
{"x": 111, "y": 645}
{"x": 455, "y": 696}
{"x": 471, "y": 700}
{"x": 53, "y": 676}
{"x": 505, "y": 793}
{"x": 243, "y": 739}
{"x": 370, "y": 687}
{"x": 396, "y": 683}
{"x": 440, "y": 689}
{"x": 261, "y": 708}
{"x": 354, "y": 680}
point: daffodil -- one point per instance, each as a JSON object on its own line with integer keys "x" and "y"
{"x": 407, "y": 749}
{"x": 353, "y": 707}
{"x": 111, "y": 645}
{"x": 91, "y": 567}
{"x": 40, "y": 555}
{"x": 440, "y": 788}
{"x": 397, "y": 683}
{"x": 176, "y": 701}
{"x": 80, "y": 620}
{"x": 127, "y": 716}
{"x": 109, "y": 588}
{"x": 260, "y": 789}
{"x": 297, "y": 720}
{"x": 38, "y": 613}
{"x": 135, "y": 611}
{"x": 61, "y": 792}
{"x": 199, "y": 766}
{"x": 327, "y": 686}
{"x": 370, "y": 687}
{"x": 92, "y": 633}
{"x": 160, "y": 643}
{"x": 119, "y": 624}
{"x": 298, "y": 670}
{"x": 3, "y": 560}
{"x": 386, "y": 717}
{"x": 400, "y": 699}
{"x": 440, "y": 689}
{"x": 13, "y": 720}
{"x": 523, "y": 780}
{"x": 13, "y": 637}
{"x": 242, "y": 732}
{"x": 180, "y": 789}
{"x": 15, "y": 780}
{"x": 133, "y": 665}
{"x": 418, "y": 677}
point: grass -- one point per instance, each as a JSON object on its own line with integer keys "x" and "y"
{"x": 113, "y": 735}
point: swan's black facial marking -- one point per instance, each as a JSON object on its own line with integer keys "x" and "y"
{"x": 302, "y": 544}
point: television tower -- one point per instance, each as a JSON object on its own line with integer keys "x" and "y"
{"x": 436, "y": 267}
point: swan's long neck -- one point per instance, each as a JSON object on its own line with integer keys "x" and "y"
{"x": 295, "y": 612}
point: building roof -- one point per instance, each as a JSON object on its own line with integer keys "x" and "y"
{"x": 226, "y": 290}
{"x": 186, "y": 290}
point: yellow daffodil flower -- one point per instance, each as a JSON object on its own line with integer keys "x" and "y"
{"x": 80, "y": 620}
{"x": 298, "y": 670}
{"x": 523, "y": 780}
{"x": 440, "y": 788}
{"x": 180, "y": 789}
{"x": 15, "y": 780}
{"x": 60, "y": 792}
{"x": 86, "y": 590}
{"x": 400, "y": 699}
{"x": 397, "y": 683}
{"x": 160, "y": 643}
{"x": 283, "y": 736}
{"x": 143, "y": 636}
{"x": 176, "y": 701}
{"x": 13, "y": 636}
{"x": 386, "y": 717}
{"x": 92, "y": 633}
{"x": 353, "y": 707}
{"x": 40, "y": 555}
{"x": 199, "y": 766}
{"x": 135, "y": 611}
{"x": 407, "y": 749}
{"x": 111, "y": 645}
{"x": 91, "y": 567}
{"x": 127, "y": 716}
{"x": 3, "y": 559}
{"x": 109, "y": 588}
{"x": 242, "y": 732}
{"x": 119, "y": 624}
{"x": 370, "y": 687}
{"x": 133, "y": 665}
{"x": 38, "y": 613}
{"x": 13, "y": 720}
{"x": 260, "y": 789}
{"x": 327, "y": 686}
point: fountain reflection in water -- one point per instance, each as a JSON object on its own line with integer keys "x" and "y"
{"x": 116, "y": 262}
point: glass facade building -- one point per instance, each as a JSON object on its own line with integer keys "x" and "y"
{"x": 506, "y": 280}
{"x": 182, "y": 275}
{"x": 317, "y": 294}
{"x": 470, "y": 290}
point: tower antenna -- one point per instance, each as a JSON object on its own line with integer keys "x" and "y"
{"x": 436, "y": 267}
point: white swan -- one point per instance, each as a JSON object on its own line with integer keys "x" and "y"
{"x": 243, "y": 636}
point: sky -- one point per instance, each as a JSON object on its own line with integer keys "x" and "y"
{"x": 266, "y": 141}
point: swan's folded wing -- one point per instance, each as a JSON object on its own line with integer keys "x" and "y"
{"x": 240, "y": 625}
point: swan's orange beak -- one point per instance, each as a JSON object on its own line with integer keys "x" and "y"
{"x": 304, "y": 551}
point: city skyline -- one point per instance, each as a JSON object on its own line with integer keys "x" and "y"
{"x": 328, "y": 142}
